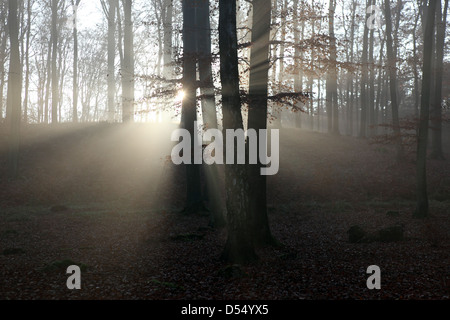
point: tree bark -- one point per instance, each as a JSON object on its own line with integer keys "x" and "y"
{"x": 128, "y": 65}
{"x": 239, "y": 246}
{"x": 257, "y": 119}
{"x": 436, "y": 121}
{"x": 75, "y": 63}
{"x": 422, "y": 196}
{"x": 393, "y": 82}
{"x": 55, "y": 98}
{"x": 208, "y": 105}
{"x": 14, "y": 91}
{"x": 194, "y": 201}
{"x": 364, "y": 76}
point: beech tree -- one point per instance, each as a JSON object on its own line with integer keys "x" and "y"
{"x": 257, "y": 118}
{"x": 54, "y": 37}
{"x": 14, "y": 90}
{"x": 128, "y": 65}
{"x": 194, "y": 201}
{"x": 239, "y": 246}
{"x": 393, "y": 81}
{"x": 422, "y": 195}
{"x": 436, "y": 120}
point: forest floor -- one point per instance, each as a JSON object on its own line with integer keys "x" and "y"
{"x": 106, "y": 197}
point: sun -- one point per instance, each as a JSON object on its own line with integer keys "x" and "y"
{"x": 180, "y": 95}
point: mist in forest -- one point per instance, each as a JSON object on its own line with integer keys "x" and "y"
{"x": 224, "y": 150}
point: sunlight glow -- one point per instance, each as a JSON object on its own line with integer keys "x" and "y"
{"x": 180, "y": 96}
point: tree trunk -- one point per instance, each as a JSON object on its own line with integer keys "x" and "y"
{"x": 111, "y": 59}
{"x": 14, "y": 91}
{"x": 333, "y": 74}
{"x": 393, "y": 82}
{"x": 298, "y": 80}
{"x": 257, "y": 119}
{"x": 422, "y": 196}
{"x": 364, "y": 76}
{"x": 27, "y": 63}
{"x": 194, "y": 202}
{"x": 128, "y": 66}
{"x": 55, "y": 98}
{"x": 239, "y": 247}
{"x": 436, "y": 121}
{"x": 371, "y": 84}
{"x": 75, "y": 63}
{"x": 208, "y": 105}
{"x": 167, "y": 39}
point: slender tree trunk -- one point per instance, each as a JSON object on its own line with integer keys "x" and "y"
{"x": 3, "y": 57}
{"x": 436, "y": 121}
{"x": 48, "y": 79}
{"x": 422, "y": 196}
{"x": 167, "y": 38}
{"x": 332, "y": 106}
{"x": 415, "y": 70}
{"x": 128, "y": 67}
{"x": 364, "y": 76}
{"x": 75, "y": 63}
{"x": 27, "y": 64}
{"x": 371, "y": 84}
{"x": 14, "y": 90}
{"x": 393, "y": 81}
{"x": 298, "y": 80}
{"x": 239, "y": 246}
{"x": 379, "y": 86}
{"x": 352, "y": 95}
{"x": 110, "y": 13}
{"x": 55, "y": 98}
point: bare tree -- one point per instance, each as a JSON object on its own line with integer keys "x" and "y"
{"x": 110, "y": 12}
{"x": 14, "y": 90}
{"x": 422, "y": 195}
{"x": 257, "y": 118}
{"x": 436, "y": 121}
{"x": 393, "y": 80}
{"x": 55, "y": 98}
{"x": 128, "y": 65}
{"x": 239, "y": 246}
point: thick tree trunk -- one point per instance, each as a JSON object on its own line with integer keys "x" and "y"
{"x": 422, "y": 196}
{"x": 239, "y": 246}
{"x": 14, "y": 91}
{"x": 257, "y": 118}
{"x": 194, "y": 202}
{"x": 208, "y": 105}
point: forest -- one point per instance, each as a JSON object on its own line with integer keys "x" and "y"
{"x": 224, "y": 150}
